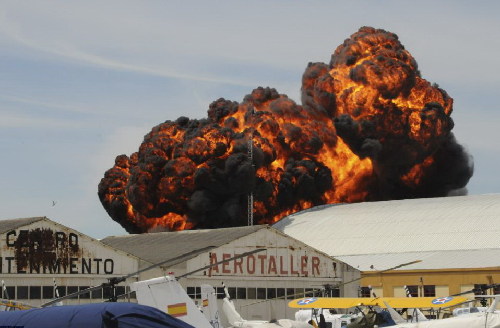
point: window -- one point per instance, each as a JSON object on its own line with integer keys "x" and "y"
{"x": 120, "y": 291}
{"x": 86, "y": 295}
{"x": 411, "y": 290}
{"x": 232, "y": 292}
{"x": 48, "y": 292}
{"x": 364, "y": 292}
{"x": 107, "y": 292}
{"x": 290, "y": 293}
{"x": 96, "y": 294}
{"x": 73, "y": 289}
{"x": 22, "y": 292}
{"x": 251, "y": 293}
{"x": 61, "y": 290}
{"x": 191, "y": 292}
{"x": 299, "y": 292}
{"x": 194, "y": 292}
{"x": 241, "y": 293}
{"x": 10, "y": 293}
{"x": 271, "y": 293}
{"x": 429, "y": 291}
{"x": 309, "y": 292}
{"x": 35, "y": 292}
{"x": 280, "y": 292}
{"x": 220, "y": 293}
{"x": 261, "y": 293}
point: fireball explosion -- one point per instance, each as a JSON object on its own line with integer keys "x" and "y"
{"x": 369, "y": 128}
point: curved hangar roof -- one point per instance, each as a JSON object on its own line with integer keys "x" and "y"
{"x": 399, "y": 226}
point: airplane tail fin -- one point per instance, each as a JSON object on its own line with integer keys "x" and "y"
{"x": 398, "y": 319}
{"x": 166, "y": 294}
{"x": 493, "y": 305}
{"x": 209, "y": 305}
{"x": 420, "y": 316}
{"x": 229, "y": 310}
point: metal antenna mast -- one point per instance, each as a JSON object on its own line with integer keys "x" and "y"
{"x": 250, "y": 194}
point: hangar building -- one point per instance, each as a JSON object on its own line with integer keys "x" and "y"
{"x": 36, "y": 252}
{"x": 454, "y": 242}
{"x": 285, "y": 268}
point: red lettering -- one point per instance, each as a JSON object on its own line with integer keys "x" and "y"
{"x": 292, "y": 271}
{"x": 272, "y": 265}
{"x": 225, "y": 265}
{"x": 213, "y": 260}
{"x": 282, "y": 271}
{"x": 262, "y": 259}
{"x": 315, "y": 265}
{"x": 250, "y": 266}
{"x": 303, "y": 265}
{"x": 238, "y": 263}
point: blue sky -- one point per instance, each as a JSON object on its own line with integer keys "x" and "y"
{"x": 83, "y": 81}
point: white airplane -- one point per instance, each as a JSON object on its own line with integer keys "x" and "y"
{"x": 166, "y": 294}
{"x": 236, "y": 321}
{"x": 487, "y": 319}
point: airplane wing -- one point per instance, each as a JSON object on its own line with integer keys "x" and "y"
{"x": 329, "y": 302}
{"x": 423, "y": 302}
{"x": 395, "y": 302}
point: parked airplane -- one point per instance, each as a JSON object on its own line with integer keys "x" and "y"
{"x": 373, "y": 316}
{"x": 236, "y": 321}
{"x": 395, "y": 302}
{"x": 165, "y": 293}
{"x": 97, "y": 315}
{"x": 487, "y": 319}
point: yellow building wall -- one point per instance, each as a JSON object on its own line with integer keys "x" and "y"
{"x": 447, "y": 282}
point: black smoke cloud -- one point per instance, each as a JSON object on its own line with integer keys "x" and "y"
{"x": 191, "y": 174}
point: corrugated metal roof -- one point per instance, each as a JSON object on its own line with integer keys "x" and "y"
{"x": 183, "y": 245}
{"x": 399, "y": 226}
{"x": 10, "y": 224}
{"x": 437, "y": 260}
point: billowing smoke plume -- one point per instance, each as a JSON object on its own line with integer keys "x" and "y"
{"x": 369, "y": 128}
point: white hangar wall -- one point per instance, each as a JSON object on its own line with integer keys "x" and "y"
{"x": 286, "y": 267}
{"x": 36, "y": 251}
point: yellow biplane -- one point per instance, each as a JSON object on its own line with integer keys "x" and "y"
{"x": 394, "y": 302}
